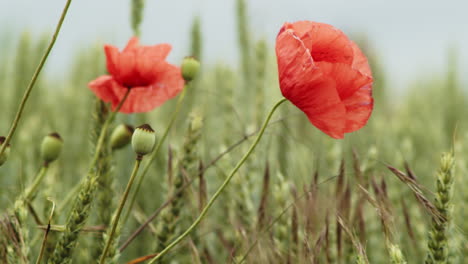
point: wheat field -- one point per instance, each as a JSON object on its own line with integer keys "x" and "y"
{"x": 392, "y": 192}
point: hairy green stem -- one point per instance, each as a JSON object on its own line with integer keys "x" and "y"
{"x": 15, "y": 123}
{"x": 155, "y": 153}
{"x": 222, "y": 187}
{"x": 115, "y": 221}
{"x": 104, "y": 128}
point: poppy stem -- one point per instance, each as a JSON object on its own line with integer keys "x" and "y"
{"x": 31, "y": 84}
{"x": 31, "y": 190}
{"x": 155, "y": 153}
{"x": 222, "y": 187}
{"x": 118, "y": 212}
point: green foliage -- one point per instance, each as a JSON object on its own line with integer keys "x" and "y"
{"x": 169, "y": 225}
{"x": 413, "y": 128}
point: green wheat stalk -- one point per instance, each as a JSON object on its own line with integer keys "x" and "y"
{"x": 166, "y": 228}
{"x": 82, "y": 206}
{"x": 76, "y": 221}
{"x": 137, "y": 6}
{"x": 105, "y": 194}
{"x": 438, "y": 250}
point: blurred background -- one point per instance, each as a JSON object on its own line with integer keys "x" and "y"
{"x": 412, "y": 37}
{"x": 284, "y": 200}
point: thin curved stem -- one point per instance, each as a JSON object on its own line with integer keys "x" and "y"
{"x": 31, "y": 84}
{"x": 222, "y": 187}
{"x": 115, "y": 221}
{"x": 170, "y": 199}
{"x": 154, "y": 154}
{"x": 31, "y": 190}
{"x": 46, "y": 234}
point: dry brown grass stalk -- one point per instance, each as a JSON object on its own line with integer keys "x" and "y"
{"x": 264, "y": 197}
{"x": 321, "y": 241}
{"x": 416, "y": 188}
{"x": 360, "y": 250}
{"x": 408, "y": 223}
{"x": 202, "y": 188}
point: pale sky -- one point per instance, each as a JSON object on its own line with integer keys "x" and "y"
{"x": 412, "y": 36}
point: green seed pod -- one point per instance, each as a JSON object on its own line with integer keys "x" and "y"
{"x": 51, "y": 147}
{"x": 143, "y": 140}
{"x": 190, "y": 68}
{"x": 121, "y": 136}
{"x": 6, "y": 153}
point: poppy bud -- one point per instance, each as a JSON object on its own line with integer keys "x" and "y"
{"x": 6, "y": 153}
{"x": 121, "y": 136}
{"x": 190, "y": 68}
{"x": 143, "y": 140}
{"x": 51, "y": 147}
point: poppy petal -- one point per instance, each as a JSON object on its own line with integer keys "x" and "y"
{"x": 104, "y": 89}
{"x": 325, "y": 110}
{"x": 143, "y": 99}
{"x": 360, "y": 62}
{"x": 112, "y": 59}
{"x": 127, "y": 65}
{"x": 133, "y": 43}
{"x": 142, "y": 69}
{"x": 358, "y": 108}
{"x": 155, "y": 52}
{"x": 348, "y": 80}
{"x": 151, "y": 62}
{"x": 303, "y": 83}
{"x": 325, "y": 42}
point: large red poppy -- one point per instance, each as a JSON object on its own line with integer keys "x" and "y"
{"x": 144, "y": 70}
{"x": 325, "y": 75}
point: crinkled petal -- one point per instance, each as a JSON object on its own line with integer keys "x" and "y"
{"x": 303, "y": 83}
{"x": 358, "y": 108}
{"x": 325, "y": 110}
{"x": 151, "y": 61}
{"x": 348, "y": 80}
{"x": 325, "y": 42}
{"x": 112, "y": 59}
{"x": 136, "y": 65}
{"x": 156, "y": 52}
{"x": 104, "y": 88}
{"x": 143, "y": 99}
{"x": 360, "y": 62}
{"x": 127, "y": 70}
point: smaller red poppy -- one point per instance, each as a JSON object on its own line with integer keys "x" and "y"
{"x": 325, "y": 75}
{"x": 145, "y": 71}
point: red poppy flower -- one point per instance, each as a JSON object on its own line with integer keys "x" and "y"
{"x": 325, "y": 75}
{"x": 144, "y": 70}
